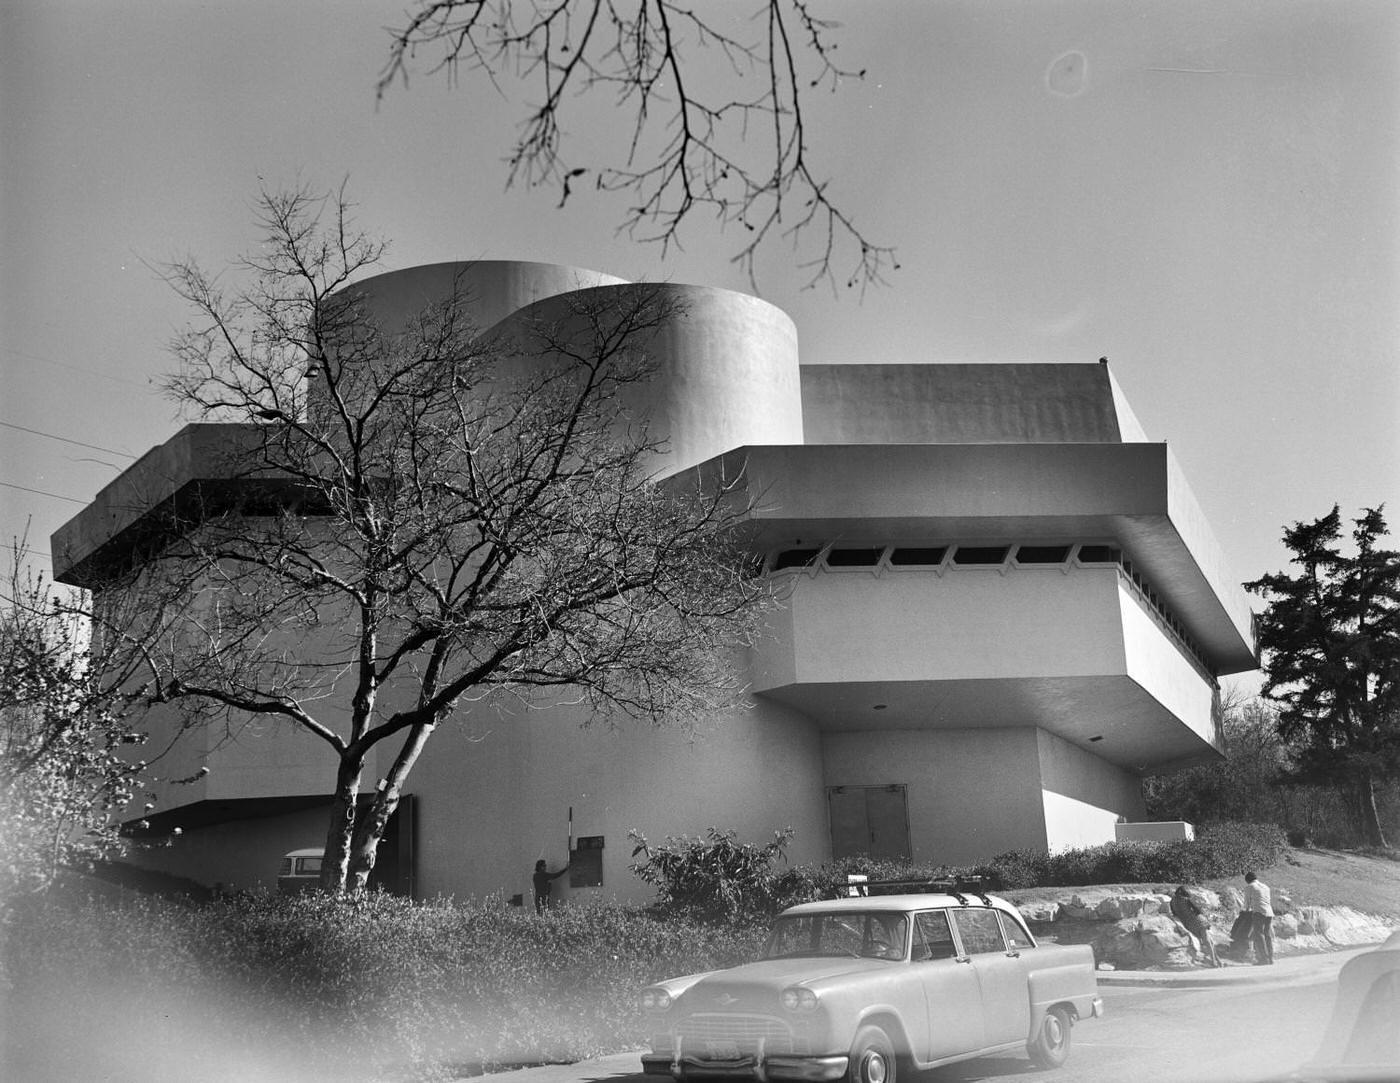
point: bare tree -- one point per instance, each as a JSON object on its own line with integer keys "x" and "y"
{"x": 420, "y": 516}
{"x": 718, "y": 123}
{"x": 68, "y": 755}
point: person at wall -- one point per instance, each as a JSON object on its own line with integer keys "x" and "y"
{"x": 543, "y": 885}
{"x": 1185, "y": 910}
{"x": 1258, "y": 905}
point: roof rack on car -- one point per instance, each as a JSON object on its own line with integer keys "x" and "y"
{"x": 858, "y": 885}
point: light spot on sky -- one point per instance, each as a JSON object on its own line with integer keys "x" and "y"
{"x": 1068, "y": 74}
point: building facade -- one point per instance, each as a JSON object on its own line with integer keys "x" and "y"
{"x": 1002, "y": 608}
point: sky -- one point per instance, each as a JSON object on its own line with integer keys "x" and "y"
{"x": 1204, "y": 193}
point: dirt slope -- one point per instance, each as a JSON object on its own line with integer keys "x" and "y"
{"x": 1311, "y": 878}
{"x": 1334, "y": 878}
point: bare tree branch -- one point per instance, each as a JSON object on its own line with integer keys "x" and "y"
{"x": 691, "y": 118}
{"x": 418, "y": 516}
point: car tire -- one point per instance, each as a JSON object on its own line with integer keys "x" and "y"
{"x": 873, "y": 1058}
{"x": 1050, "y": 1047}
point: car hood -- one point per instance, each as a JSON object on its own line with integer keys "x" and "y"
{"x": 764, "y": 980}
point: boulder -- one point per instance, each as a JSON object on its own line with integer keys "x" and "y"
{"x": 1312, "y": 921}
{"x": 1118, "y": 907}
{"x": 1039, "y": 911}
{"x": 1285, "y": 926}
{"x": 1153, "y": 940}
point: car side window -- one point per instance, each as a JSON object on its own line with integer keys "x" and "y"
{"x": 933, "y": 938}
{"x": 1016, "y": 935}
{"x": 980, "y": 931}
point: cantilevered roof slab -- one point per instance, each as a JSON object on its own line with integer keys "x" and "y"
{"x": 1132, "y": 496}
{"x": 1111, "y": 716}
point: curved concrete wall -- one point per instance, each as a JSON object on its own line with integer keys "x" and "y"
{"x": 493, "y": 288}
{"x": 728, "y": 365}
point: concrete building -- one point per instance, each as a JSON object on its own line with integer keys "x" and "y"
{"x": 1005, "y": 608}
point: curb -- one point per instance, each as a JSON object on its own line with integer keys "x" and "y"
{"x": 1312, "y": 967}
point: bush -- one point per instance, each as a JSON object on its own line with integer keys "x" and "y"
{"x": 363, "y": 988}
{"x": 718, "y": 878}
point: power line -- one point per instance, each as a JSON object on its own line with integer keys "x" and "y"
{"x": 41, "y": 492}
{"x": 66, "y": 440}
{"x": 34, "y": 358}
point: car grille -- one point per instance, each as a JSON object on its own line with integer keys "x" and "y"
{"x": 747, "y": 1031}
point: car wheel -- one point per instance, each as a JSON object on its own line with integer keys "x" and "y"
{"x": 872, "y": 1058}
{"x": 1050, "y": 1047}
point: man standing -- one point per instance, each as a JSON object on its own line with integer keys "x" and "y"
{"x": 543, "y": 886}
{"x": 1257, "y": 904}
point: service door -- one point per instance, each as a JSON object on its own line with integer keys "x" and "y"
{"x": 870, "y": 820}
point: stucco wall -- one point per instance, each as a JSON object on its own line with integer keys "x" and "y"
{"x": 962, "y": 404}
{"x": 972, "y": 793}
{"x": 1155, "y": 662}
{"x": 728, "y": 373}
{"x": 492, "y": 289}
{"x": 494, "y": 797}
{"x": 1083, "y": 796}
{"x": 967, "y": 622}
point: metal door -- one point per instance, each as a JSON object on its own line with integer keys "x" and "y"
{"x": 870, "y": 820}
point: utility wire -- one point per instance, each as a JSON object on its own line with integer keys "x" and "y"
{"x": 66, "y": 440}
{"x": 41, "y": 492}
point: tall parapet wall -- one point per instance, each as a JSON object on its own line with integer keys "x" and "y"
{"x": 937, "y": 403}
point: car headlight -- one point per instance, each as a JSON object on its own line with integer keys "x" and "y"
{"x": 655, "y": 1000}
{"x": 797, "y": 999}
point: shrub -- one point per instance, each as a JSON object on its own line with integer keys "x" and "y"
{"x": 717, "y": 878}
{"x": 370, "y": 987}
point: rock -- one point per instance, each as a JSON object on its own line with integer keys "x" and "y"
{"x": 1204, "y": 898}
{"x": 1312, "y": 921}
{"x": 1282, "y": 902}
{"x": 1232, "y": 898}
{"x": 1117, "y": 907}
{"x": 1039, "y": 912}
{"x": 1140, "y": 943}
{"x": 1285, "y": 926}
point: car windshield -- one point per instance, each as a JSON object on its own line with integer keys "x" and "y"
{"x": 856, "y": 934}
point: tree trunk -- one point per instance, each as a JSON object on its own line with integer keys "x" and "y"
{"x": 1372, "y": 832}
{"x": 335, "y": 868}
{"x": 369, "y": 831}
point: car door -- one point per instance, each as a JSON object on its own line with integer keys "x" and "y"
{"x": 1001, "y": 976}
{"x": 952, "y": 997}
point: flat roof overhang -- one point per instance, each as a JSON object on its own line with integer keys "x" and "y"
{"x": 1133, "y": 496}
{"x": 1111, "y": 716}
{"x": 215, "y": 810}
{"x": 202, "y": 470}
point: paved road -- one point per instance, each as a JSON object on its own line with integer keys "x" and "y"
{"x": 1239, "y": 1025}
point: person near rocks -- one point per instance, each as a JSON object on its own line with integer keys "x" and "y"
{"x": 542, "y": 885}
{"x": 1185, "y": 910}
{"x": 1258, "y": 905}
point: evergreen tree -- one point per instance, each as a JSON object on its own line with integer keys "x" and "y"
{"x": 1330, "y": 639}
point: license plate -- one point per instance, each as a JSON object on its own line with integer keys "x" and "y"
{"x": 721, "y": 1050}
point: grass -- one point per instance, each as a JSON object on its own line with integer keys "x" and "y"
{"x": 1311, "y": 877}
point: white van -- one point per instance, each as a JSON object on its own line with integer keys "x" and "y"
{"x": 301, "y": 870}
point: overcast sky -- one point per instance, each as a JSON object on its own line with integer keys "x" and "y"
{"x": 1205, "y": 193}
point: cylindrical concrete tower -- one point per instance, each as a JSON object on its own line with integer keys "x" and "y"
{"x": 728, "y": 366}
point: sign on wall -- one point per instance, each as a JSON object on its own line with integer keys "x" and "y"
{"x": 586, "y": 862}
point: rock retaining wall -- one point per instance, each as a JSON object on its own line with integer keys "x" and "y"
{"x": 1134, "y": 929}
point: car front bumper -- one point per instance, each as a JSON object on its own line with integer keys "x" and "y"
{"x": 786, "y": 1067}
